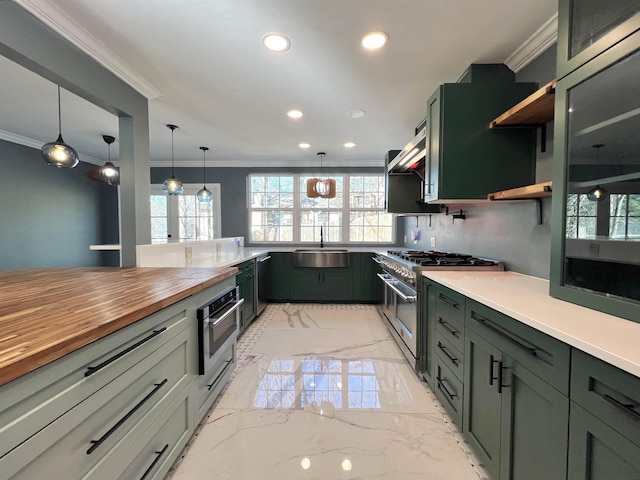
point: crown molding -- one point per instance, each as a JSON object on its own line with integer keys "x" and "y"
{"x": 60, "y": 22}
{"x": 537, "y": 43}
{"x": 266, "y": 163}
{"x": 37, "y": 144}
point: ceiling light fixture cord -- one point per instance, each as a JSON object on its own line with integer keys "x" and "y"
{"x": 172, "y": 186}
{"x": 59, "y": 113}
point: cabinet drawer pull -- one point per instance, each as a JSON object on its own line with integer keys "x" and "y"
{"x": 453, "y": 359}
{"x": 92, "y": 370}
{"x": 448, "y": 301}
{"x": 445, "y": 389}
{"x": 485, "y": 322}
{"x": 625, "y": 407}
{"x": 224, "y": 369}
{"x": 97, "y": 443}
{"x": 155, "y": 460}
{"x": 449, "y": 328}
{"x": 491, "y": 362}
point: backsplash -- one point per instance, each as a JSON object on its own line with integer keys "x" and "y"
{"x": 508, "y": 232}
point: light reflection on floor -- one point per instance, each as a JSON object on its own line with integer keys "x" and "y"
{"x": 290, "y": 383}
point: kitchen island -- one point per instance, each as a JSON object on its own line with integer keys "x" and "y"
{"x": 99, "y": 367}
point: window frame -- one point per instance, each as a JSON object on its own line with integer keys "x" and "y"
{"x": 297, "y": 210}
{"x": 173, "y": 210}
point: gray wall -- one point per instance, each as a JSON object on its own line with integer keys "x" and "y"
{"x": 49, "y": 216}
{"x": 233, "y": 189}
{"x": 507, "y": 232}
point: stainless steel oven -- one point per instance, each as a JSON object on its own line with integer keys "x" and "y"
{"x": 400, "y": 273}
{"x": 218, "y": 323}
{"x": 400, "y": 313}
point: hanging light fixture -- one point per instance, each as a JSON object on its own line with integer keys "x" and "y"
{"x": 204, "y": 195}
{"x": 598, "y": 193}
{"x": 172, "y": 186}
{"x": 59, "y": 154}
{"x": 317, "y": 187}
{"x": 108, "y": 173}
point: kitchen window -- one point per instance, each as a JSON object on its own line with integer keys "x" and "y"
{"x": 616, "y": 218}
{"x": 183, "y": 218}
{"x": 280, "y": 211}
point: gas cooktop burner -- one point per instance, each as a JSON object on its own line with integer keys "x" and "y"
{"x": 435, "y": 258}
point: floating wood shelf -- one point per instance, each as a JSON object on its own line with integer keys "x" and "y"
{"x": 538, "y": 190}
{"x": 536, "y": 109}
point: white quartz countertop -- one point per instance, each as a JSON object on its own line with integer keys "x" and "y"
{"x": 612, "y": 339}
{"x": 228, "y": 258}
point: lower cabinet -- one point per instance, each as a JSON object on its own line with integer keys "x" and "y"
{"x": 321, "y": 284}
{"x": 604, "y": 433}
{"x": 245, "y": 280}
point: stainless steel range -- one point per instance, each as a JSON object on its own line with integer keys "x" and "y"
{"x": 400, "y": 272}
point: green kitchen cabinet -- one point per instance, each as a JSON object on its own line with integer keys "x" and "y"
{"x": 321, "y": 284}
{"x": 514, "y": 417}
{"x": 366, "y": 286}
{"x": 427, "y": 328}
{"x": 278, "y": 276}
{"x": 596, "y": 187}
{"x": 604, "y": 434}
{"x": 465, "y": 159}
{"x": 246, "y": 281}
{"x": 587, "y": 28}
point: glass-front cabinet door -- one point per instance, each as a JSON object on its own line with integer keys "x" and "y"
{"x": 587, "y": 28}
{"x": 596, "y": 231}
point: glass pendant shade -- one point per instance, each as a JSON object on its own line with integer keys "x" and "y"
{"x": 109, "y": 174}
{"x": 204, "y": 195}
{"x": 59, "y": 154}
{"x": 172, "y": 186}
{"x": 598, "y": 193}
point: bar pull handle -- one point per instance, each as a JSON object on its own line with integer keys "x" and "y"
{"x": 442, "y": 386}
{"x": 448, "y": 301}
{"x": 500, "y": 384}
{"x": 264, "y": 259}
{"x": 449, "y": 328}
{"x": 222, "y": 372}
{"x": 485, "y": 322}
{"x": 155, "y": 461}
{"x": 625, "y": 407}
{"x": 97, "y": 443}
{"x": 92, "y": 370}
{"x": 453, "y": 359}
{"x": 491, "y": 362}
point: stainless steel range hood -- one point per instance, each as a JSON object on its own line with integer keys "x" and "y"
{"x": 410, "y": 157}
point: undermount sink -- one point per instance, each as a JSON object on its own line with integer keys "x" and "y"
{"x": 321, "y": 258}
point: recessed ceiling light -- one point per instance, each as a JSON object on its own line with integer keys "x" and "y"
{"x": 349, "y": 145}
{"x": 276, "y": 42}
{"x": 294, "y": 114}
{"x": 357, "y": 113}
{"x": 374, "y": 40}
{"x": 304, "y": 145}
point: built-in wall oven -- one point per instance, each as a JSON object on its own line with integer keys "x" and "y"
{"x": 399, "y": 309}
{"x": 218, "y": 323}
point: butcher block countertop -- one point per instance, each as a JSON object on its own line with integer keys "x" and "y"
{"x": 48, "y": 313}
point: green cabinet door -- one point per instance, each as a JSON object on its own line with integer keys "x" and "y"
{"x": 597, "y": 451}
{"x": 482, "y": 411}
{"x": 337, "y": 285}
{"x": 534, "y": 426}
{"x": 306, "y": 285}
{"x": 463, "y": 154}
{"x": 427, "y": 328}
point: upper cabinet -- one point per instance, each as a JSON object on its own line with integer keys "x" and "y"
{"x": 587, "y": 28}
{"x": 465, "y": 160}
{"x": 595, "y": 258}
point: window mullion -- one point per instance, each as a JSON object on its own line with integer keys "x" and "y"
{"x": 346, "y": 217}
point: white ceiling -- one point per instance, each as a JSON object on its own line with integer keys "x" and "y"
{"x": 203, "y": 67}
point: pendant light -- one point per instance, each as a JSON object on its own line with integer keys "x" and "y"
{"x": 108, "y": 173}
{"x": 59, "y": 154}
{"x": 317, "y": 187}
{"x": 172, "y": 186}
{"x": 598, "y": 193}
{"x": 204, "y": 195}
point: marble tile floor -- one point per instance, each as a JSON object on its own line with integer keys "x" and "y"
{"x": 322, "y": 392}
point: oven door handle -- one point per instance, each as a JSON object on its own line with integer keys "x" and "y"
{"x": 377, "y": 260}
{"x": 215, "y": 321}
{"x": 406, "y": 298}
